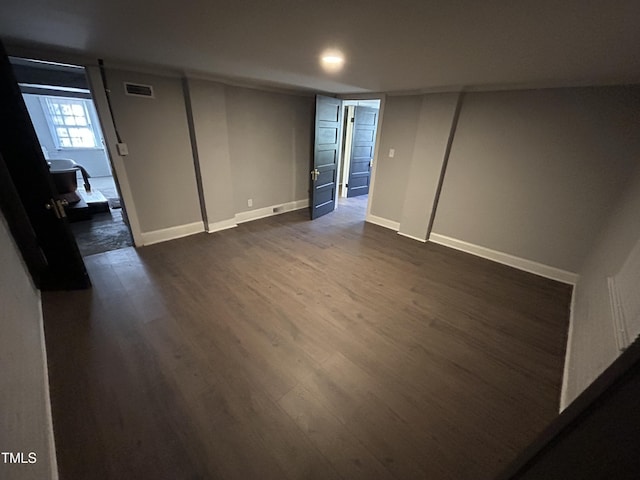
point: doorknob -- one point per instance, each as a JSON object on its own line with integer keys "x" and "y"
{"x": 314, "y": 174}
{"x": 58, "y": 207}
{"x": 370, "y": 163}
{"x": 62, "y": 203}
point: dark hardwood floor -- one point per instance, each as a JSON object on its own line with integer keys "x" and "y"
{"x": 290, "y": 349}
{"x": 101, "y": 233}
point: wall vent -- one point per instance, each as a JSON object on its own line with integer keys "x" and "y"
{"x": 138, "y": 90}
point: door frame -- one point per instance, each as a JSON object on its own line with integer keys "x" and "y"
{"x": 376, "y": 154}
{"x": 118, "y": 167}
{"x": 349, "y": 112}
{"x": 99, "y": 97}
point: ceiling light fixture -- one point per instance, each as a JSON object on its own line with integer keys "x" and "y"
{"x": 332, "y": 60}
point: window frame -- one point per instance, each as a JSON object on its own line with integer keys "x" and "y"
{"x": 48, "y": 102}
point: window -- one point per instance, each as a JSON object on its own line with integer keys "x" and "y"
{"x": 70, "y": 122}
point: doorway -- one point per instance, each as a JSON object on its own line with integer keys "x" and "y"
{"x": 63, "y": 114}
{"x": 360, "y": 128}
{"x": 333, "y": 178}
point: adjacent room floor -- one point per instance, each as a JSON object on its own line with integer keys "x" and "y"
{"x": 105, "y": 230}
{"x": 291, "y": 349}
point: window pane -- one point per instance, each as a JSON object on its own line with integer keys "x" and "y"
{"x": 88, "y": 139}
{"x": 70, "y": 123}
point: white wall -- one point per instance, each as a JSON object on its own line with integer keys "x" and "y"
{"x": 25, "y": 419}
{"x": 417, "y": 128}
{"x": 592, "y": 345}
{"x": 251, "y": 144}
{"x": 435, "y": 124}
{"x": 160, "y": 166}
{"x": 208, "y": 107}
{"x": 531, "y": 174}
{"x": 93, "y": 159}
{"x": 399, "y": 126}
{"x": 551, "y": 176}
{"x": 270, "y": 138}
{"x": 534, "y": 173}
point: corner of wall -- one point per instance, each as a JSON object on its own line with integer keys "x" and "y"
{"x": 565, "y": 397}
{"x": 436, "y": 129}
{"x": 171, "y": 233}
{"x": 383, "y": 222}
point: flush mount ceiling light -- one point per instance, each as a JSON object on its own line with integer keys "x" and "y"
{"x": 332, "y": 60}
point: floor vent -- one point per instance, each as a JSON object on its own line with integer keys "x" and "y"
{"x": 138, "y": 90}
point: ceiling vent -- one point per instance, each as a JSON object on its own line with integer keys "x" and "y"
{"x": 138, "y": 90}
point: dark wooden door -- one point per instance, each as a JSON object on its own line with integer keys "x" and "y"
{"x": 362, "y": 149}
{"x": 63, "y": 267}
{"x": 328, "y": 135}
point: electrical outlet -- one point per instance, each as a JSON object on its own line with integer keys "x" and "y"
{"x": 250, "y": 202}
{"x": 392, "y": 152}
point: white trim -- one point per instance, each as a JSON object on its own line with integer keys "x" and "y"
{"x": 342, "y": 134}
{"x": 564, "y": 392}
{"x": 171, "y": 233}
{"x": 382, "y": 97}
{"x": 116, "y": 161}
{"x": 412, "y": 237}
{"x": 346, "y": 154}
{"x": 53, "y": 461}
{"x": 222, "y": 225}
{"x": 383, "y": 222}
{"x": 264, "y": 212}
{"x": 516, "y": 262}
{"x": 617, "y": 315}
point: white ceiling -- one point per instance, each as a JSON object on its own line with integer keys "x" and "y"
{"x": 390, "y": 45}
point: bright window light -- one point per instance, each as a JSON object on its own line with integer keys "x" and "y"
{"x": 70, "y": 122}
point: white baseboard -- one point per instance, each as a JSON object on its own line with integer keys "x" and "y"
{"x": 383, "y": 222}
{"x": 564, "y": 392}
{"x": 264, "y": 212}
{"x": 157, "y": 236}
{"x": 506, "y": 259}
{"x": 412, "y": 237}
{"x": 53, "y": 460}
{"x": 222, "y": 225}
{"x": 171, "y": 233}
